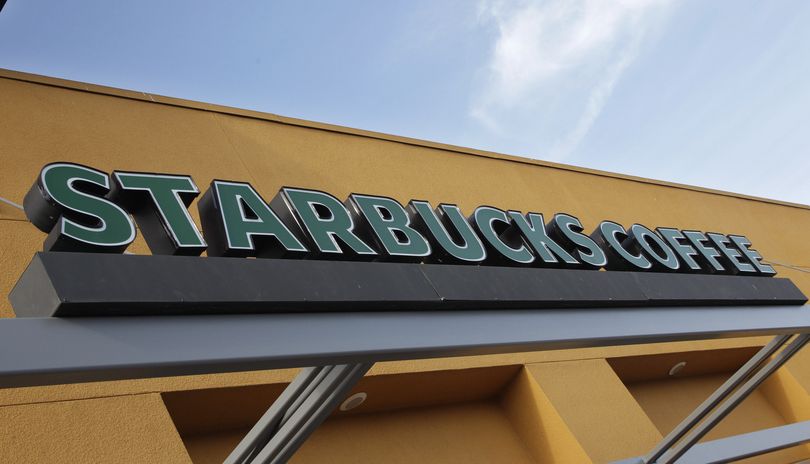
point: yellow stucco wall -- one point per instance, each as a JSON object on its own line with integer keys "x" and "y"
{"x": 134, "y": 428}
{"x": 502, "y": 408}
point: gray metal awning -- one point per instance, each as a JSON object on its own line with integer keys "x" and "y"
{"x": 40, "y": 351}
{"x": 343, "y": 346}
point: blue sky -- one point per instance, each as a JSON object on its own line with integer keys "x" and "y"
{"x": 709, "y": 93}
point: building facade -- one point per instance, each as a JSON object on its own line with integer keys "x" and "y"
{"x": 565, "y": 406}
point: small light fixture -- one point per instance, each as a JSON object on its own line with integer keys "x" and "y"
{"x": 353, "y": 401}
{"x": 677, "y": 368}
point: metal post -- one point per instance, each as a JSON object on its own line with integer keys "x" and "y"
{"x": 735, "y": 399}
{"x": 303, "y": 405}
{"x": 264, "y": 428}
{"x": 742, "y": 374}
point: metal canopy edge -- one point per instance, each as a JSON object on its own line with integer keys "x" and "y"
{"x": 42, "y": 351}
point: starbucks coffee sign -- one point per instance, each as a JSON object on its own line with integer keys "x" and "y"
{"x": 84, "y": 209}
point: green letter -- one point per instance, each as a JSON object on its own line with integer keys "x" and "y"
{"x": 568, "y": 229}
{"x": 644, "y": 238}
{"x": 238, "y": 222}
{"x": 391, "y": 226}
{"x": 67, "y": 201}
{"x": 733, "y": 257}
{"x": 485, "y": 217}
{"x": 708, "y": 253}
{"x": 743, "y": 244}
{"x": 533, "y": 228}
{"x": 612, "y": 237}
{"x": 675, "y": 239}
{"x": 438, "y": 222}
{"x": 325, "y": 219}
{"x": 159, "y": 204}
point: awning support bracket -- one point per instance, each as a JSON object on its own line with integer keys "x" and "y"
{"x": 302, "y": 407}
{"x": 728, "y": 396}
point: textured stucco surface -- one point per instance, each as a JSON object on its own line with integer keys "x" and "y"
{"x": 556, "y": 409}
{"x": 607, "y": 421}
{"x": 132, "y": 429}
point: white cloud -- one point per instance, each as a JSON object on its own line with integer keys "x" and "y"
{"x": 557, "y": 62}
